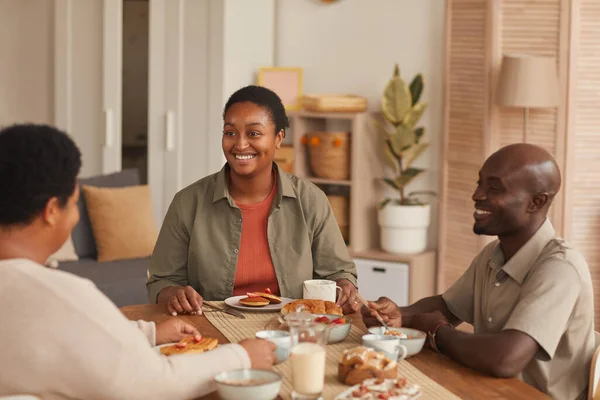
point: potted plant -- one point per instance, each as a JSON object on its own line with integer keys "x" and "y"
{"x": 404, "y": 219}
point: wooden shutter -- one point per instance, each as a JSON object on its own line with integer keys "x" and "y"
{"x": 465, "y": 114}
{"x": 583, "y": 174}
{"x": 531, "y": 27}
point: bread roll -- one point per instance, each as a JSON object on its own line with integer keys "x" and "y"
{"x": 360, "y": 363}
{"x": 313, "y": 307}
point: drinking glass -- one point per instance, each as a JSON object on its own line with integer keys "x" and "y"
{"x": 307, "y": 356}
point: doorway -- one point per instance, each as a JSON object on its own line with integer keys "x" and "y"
{"x": 135, "y": 87}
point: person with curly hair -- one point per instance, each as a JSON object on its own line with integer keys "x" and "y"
{"x": 250, "y": 226}
{"x": 61, "y": 337}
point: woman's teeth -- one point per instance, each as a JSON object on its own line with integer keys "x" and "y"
{"x": 482, "y": 212}
{"x": 244, "y": 157}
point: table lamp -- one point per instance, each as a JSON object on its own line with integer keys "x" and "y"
{"x": 528, "y": 82}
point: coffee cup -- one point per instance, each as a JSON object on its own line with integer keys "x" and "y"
{"x": 320, "y": 289}
{"x": 388, "y": 345}
{"x": 282, "y": 341}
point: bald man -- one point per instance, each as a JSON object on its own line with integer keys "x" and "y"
{"x": 528, "y": 294}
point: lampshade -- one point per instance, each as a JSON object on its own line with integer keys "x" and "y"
{"x": 528, "y": 81}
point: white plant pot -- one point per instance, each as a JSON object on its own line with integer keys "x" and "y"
{"x": 404, "y": 228}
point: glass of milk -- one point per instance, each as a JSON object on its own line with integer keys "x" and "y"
{"x": 307, "y": 356}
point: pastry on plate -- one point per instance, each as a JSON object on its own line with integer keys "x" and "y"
{"x": 254, "y": 301}
{"x": 360, "y": 363}
{"x": 189, "y": 345}
{"x": 271, "y": 297}
{"x": 381, "y": 388}
{"x": 313, "y": 307}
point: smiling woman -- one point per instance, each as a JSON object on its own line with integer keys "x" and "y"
{"x": 250, "y": 226}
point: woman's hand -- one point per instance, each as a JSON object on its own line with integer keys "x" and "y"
{"x": 173, "y": 330}
{"x": 347, "y": 299}
{"x": 261, "y": 353}
{"x": 179, "y": 300}
{"x": 387, "y": 309}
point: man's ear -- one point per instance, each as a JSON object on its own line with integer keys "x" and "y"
{"x": 51, "y": 212}
{"x": 538, "y": 202}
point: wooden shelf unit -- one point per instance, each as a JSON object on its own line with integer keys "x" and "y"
{"x": 365, "y": 170}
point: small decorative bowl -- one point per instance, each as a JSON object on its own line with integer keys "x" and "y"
{"x": 248, "y": 384}
{"x": 413, "y": 343}
{"x": 338, "y": 332}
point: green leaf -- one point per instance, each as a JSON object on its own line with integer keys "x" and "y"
{"x": 381, "y": 127}
{"x": 384, "y": 203}
{"x": 419, "y": 133}
{"x": 423, "y": 192}
{"x": 391, "y": 182}
{"x": 407, "y": 176}
{"x": 416, "y": 89}
{"x": 396, "y": 99}
{"x": 413, "y": 153}
{"x": 414, "y": 115}
{"x": 402, "y": 138}
{"x": 411, "y": 201}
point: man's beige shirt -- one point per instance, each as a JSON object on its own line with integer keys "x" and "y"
{"x": 199, "y": 240}
{"x": 545, "y": 291}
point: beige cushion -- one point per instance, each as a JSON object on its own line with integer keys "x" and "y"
{"x": 122, "y": 221}
{"x": 65, "y": 253}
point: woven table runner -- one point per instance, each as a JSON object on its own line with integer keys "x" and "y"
{"x": 236, "y": 329}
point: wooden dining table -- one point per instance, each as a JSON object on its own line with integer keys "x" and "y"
{"x": 462, "y": 381}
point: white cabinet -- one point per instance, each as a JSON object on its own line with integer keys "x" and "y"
{"x": 383, "y": 278}
{"x": 403, "y": 278}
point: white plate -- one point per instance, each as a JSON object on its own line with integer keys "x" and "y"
{"x": 234, "y": 302}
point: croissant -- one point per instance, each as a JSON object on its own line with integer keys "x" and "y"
{"x": 313, "y": 307}
{"x": 360, "y": 363}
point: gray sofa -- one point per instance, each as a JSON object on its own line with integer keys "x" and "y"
{"x": 123, "y": 281}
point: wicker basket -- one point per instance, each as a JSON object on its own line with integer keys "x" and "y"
{"x": 329, "y": 154}
{"x": 339, "y": 205}
{"x": 334, "y": 103}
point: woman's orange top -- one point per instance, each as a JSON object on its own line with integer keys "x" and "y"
{"x": 255, "y": 270}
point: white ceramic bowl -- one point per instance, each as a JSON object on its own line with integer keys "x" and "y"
{"x": 338, "y": 332}
{"x": 414, "y": 343}
{"x": 281, "y": 339}
{"x": 237, "y": 384}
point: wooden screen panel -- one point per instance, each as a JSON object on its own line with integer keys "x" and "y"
{"x": 466, "y": 108}
{"x": 531, "y": 27}
{"x": 584, "y": 178}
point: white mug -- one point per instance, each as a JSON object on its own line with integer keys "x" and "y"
{"x": 388, "y": 345}
{"x": 320, "y": 289}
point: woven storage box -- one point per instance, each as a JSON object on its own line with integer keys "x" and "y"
{"x": 339, "y": 205}
{"x": 334, "y": 103}
{"x": 329, "y": 154}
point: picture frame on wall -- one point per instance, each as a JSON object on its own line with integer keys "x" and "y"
{"x": 286, "y": 82}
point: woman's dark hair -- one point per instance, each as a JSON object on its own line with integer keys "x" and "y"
{"x": 263, "y": 97}
{"x": 37, "y": 162}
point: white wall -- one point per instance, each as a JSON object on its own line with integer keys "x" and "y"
{"x": 26, "y": 61}
{"x": 351, "y": 47}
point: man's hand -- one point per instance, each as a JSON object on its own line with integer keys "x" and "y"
{"x": 427, "y": 322}
{"x": 261, "y": 353}
{"x": 173, "y": 330}
{"x": 387, "y": 309}
{"x": 347, "y": 299}
{"x": 180, "y": 300}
